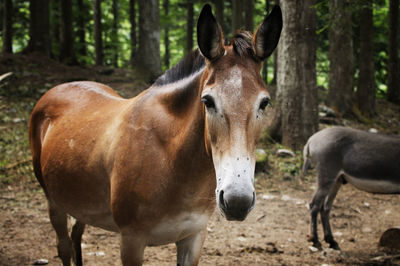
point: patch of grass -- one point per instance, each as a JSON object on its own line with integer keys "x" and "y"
{"x": 15, "y": 155}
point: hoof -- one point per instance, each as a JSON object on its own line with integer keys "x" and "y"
{"x": 334, "y": 245}
{"x": 315, "y": 242}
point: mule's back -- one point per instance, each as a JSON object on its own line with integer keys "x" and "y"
{"x": 372, "y": 158}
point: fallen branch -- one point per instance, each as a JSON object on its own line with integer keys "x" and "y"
{"x": 4, "y": 76}
{"x": 385, "y": 258}
{"x": 13, "y": 165}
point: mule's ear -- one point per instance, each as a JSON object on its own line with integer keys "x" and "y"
{"x": 209, "y": 35}
{"x": 267, "y": 35}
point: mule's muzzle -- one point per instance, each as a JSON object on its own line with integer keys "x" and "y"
{"x": 235, "y": 206}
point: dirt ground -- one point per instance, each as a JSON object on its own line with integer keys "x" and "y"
{"x": 274, "y": 233}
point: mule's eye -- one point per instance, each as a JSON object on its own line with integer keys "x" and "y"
{"x": 264, "y": 104}
{"x": 208, "y": 101}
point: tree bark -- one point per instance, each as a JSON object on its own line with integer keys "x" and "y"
{"x": 249, "y": 16}
{"x": 237, "y": 15}
{"x": 55, "y": 27}
{"x": 132, "y": 19}
{"x": 39, "y": 29}
{"x": 98, "y": 40}
{"x": 296, "y": 94}
{"x": 7, "y": 26}
{"x": 67, "y": 39}
{"x": 115, "y": 33}
{"x": 81, "y": 21}
{"x": 309, "y": 58}
{"x": 148, "y": 57}
{"x": 366, "y": 79}
{"x": 219, "y": 11}
{"x": 166, "y": 34}
{"x": 189, "y": 26}
{"x": 393, "y": 91}
{"x": 341, "y": 73}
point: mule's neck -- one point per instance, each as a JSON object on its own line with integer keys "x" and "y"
{"x": 182, "y": 101}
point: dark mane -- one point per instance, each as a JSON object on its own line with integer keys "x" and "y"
{"x": 242, "y": 44}
{"x": 194, "y": 61}
{"x": 190, "y": 64}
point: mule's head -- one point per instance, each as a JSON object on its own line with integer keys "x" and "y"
{"x": 235, "y": 99}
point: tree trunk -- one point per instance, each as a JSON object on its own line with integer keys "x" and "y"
{"x": 219, "y": 11}
{"x": 341, "y": 73}
{"x": 39, "y": 29}
{"x": 237, "y": 15}
{"x": 148, "y": 58}
{"x": 98, "y": 41}
{"x": 55, "y": 27}
{"x": 81, "y": 21}
{"x": 249, "y": 16}
{"x": 366, "y": 79}
{"x": 393, "y": 91}
{"x": 7, "y": 26}
{"x": 132, "y": 19}
{"x": 114, "y": 36}
{"x": 166, "y": 34}
{"x": 309, "y": 54}
{"x": 189, "y": 26}
{"x": 67, "y": 40}
{"x": 297, "y": 101}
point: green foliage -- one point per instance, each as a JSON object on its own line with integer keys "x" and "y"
{"x": 117, "y": 45}
{"x": 15, "y": 160}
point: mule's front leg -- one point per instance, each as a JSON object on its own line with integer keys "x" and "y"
{"x": 189, "y": 248}
{"x": 132, "y": 249}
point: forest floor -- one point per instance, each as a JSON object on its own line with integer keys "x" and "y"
{"x": 275, "y": 232}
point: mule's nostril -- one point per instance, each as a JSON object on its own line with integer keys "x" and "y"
{"x": 253, "y": 202}
{"x": 221, "y": 199}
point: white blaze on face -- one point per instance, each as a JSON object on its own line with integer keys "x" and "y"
{"x": 234, "y": 164}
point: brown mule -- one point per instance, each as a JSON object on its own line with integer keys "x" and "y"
{"x": 149, "y": 167}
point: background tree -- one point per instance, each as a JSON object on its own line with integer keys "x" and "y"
{"x": 132, "y": 20}
{"x": 148, "y": 57}
{"x": 80, "y": 32}
{"x": 39, "y": 28}
{"x": 237, "y": 15}
{"x": 366, "y": 79}
{"x": 114, "y": 36}
{"x": 98, "y": 39}
{"x": 55, "y": 28}
{"x": 219, "y": 11}
{"x": 296, "y": 74}
{"x": 249, "y": 16}
{"x": 393, "y": 92}
{"x": 341, "y": 73}
{"x": 7, "y": 26}
{"x": 166, "y": 33}
{"x": 67, "y": 53}
{"x": 189, "y": 26}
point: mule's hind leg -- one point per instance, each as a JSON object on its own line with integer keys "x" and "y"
{"x": 59, "y": 221}
{"x": 76, "y": 236}
{"x": 189, "y": 249}
{"x": 326, "y": 179}
{"x": 325, "y": 214}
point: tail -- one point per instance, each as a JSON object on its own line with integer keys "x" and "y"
{"x": 306, "y": 158}
{"x": 35, "y": 138}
